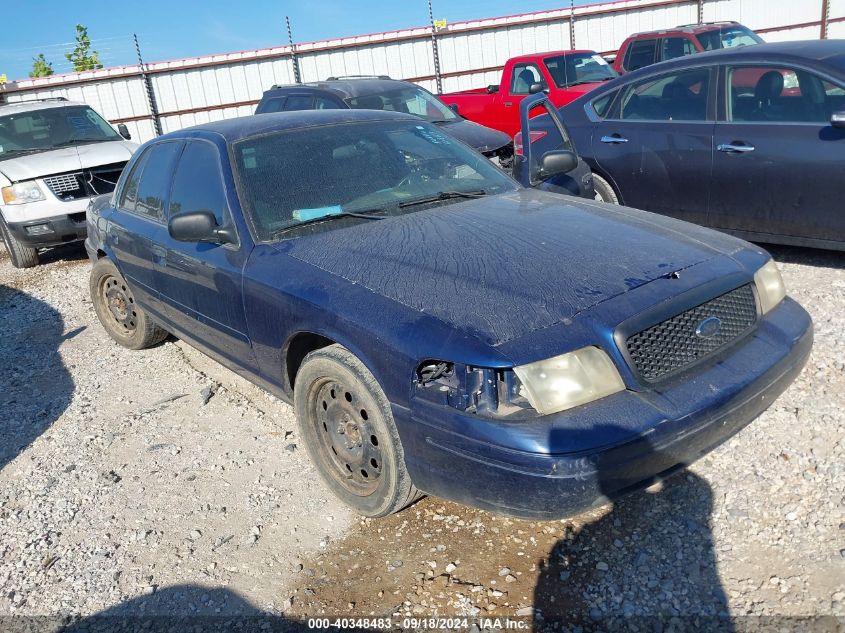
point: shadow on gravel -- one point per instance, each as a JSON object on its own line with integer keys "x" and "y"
{"x": 656, "y": 567}
{"x": 36, "y": 386}
{"x": 806, "y": 256}
{"x": 184, "y": 608}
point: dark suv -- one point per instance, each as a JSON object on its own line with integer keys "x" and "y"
{"x": 644, "y": 49}
{"x": 391, "y": 95}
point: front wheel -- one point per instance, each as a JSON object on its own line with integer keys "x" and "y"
{"x": 22, "y": 256}
{"x": 604, "y": 190}
{"x": 123, "y": 319}
{"x": 347, "y": 427}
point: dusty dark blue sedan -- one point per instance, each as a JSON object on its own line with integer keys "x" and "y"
{"x": 438, "y": 327}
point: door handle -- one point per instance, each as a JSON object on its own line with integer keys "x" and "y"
{"x": 733, "y": 148}
{"x": 614, "y": 140}
{"x": 508, "y": 104}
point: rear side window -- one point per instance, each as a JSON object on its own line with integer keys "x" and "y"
{"x": 674, "y": 47}
{"x": 273, "y": 105}
{"x": 130, "y": 190}
{"x": 298, "y": 102}
{"x": 602, "y": 105}
{"x": 198, "y": 185}
{"x": 640, "y": 54}
{"x": 681, "y": 96}
{"x": 155, "y": 180}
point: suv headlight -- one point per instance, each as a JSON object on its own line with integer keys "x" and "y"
{"x": 22, "y": 192}
{"x": 568, "y": 380}
{"x": 770, "y": 286}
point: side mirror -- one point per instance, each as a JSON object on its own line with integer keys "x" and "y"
{"x": 837, "y": 119}
{"x": 454, "y": 108}
{"x": 556, "y": 162}
{"x": 198, "y": 226}
{"x": 535, "y": 88}
{"x": 492, "y": 89}
{"x": 124, "y": 131}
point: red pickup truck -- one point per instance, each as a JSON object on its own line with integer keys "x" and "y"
{"x": 565, "y": 74}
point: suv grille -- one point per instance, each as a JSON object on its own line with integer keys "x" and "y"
{"x": 675, "y": 344}
{"x": 85, "y": 183}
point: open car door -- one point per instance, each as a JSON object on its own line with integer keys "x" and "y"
{"x": 544, "y": 156}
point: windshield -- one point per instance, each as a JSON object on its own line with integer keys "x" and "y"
{"x": 728, "y": 37}
{"x": 578, "y": 68}
{"x": 410, "y": 100}
{"x": 49, "y": 128}
{"x": 298, "y": 176}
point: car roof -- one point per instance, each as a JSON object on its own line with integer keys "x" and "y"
{"x": 685, "y": 28}
{"x": 232, "y": 130}
{"x": 347, "y": 87}
{"x": 39, "y": 104}
{"x": 829, "y": 53}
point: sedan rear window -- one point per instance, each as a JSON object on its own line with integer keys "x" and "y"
{"x": 298, "y": 175}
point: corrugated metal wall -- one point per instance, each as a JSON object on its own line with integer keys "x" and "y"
{"x": 198, "y": 90}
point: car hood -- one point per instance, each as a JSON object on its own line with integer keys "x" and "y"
{"x": 500, "y": 267}
{"x": 65, "y": 159}
{"x": 483, "y": 139}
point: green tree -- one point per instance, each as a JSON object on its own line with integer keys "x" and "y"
{"x": 41, "y": 67}
{"x": 82, "y": 57}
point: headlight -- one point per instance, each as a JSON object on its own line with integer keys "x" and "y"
{"x": 770, "y": 286}
{"x": 22, "y": 192}
{"x": 568, "y": 380}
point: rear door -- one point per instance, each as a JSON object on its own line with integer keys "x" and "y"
{"x": 656, "y": 142}
{"x": 778, "y": 164}
{"x": 138, "y": 222}
{"x": 201, "y": 282}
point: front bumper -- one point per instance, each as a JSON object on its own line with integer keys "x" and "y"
{"x": 615, "y": 445}
{"x": 52, "y": 231}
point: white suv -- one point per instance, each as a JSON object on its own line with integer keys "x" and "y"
{"x": 54, "y": 156}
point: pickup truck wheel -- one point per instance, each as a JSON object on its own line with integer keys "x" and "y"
{"x": 115, "y": 305}
{"x": 22, "y": 256}
{"x": 604, "y": 190}
{"x": 347, "y": 427}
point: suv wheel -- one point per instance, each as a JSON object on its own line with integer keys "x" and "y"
{"x": 22, "y": 256}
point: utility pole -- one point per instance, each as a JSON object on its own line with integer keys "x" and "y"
{"x": 148, "y": 85}
{"x": 297, "y": 78}
{"x": 572, "y": 25}
{"x": 701, "y": 11}
{"x": 436, "y": 54}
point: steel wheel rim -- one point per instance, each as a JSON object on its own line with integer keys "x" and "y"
{"x": 119, "y": 304}
{"x": 346, "y": 440}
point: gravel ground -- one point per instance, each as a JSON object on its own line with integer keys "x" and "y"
{"x": 159, "y": 482}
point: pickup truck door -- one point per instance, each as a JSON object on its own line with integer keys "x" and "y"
{"x": 516, "y": 86}
{"x": 657, "y": 143}
{"x": 201, "y": 282}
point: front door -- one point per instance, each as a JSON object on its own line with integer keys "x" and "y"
{"x": 778, "y": 160}
{"x": 656, "y": 143}
{"x": 201, "y": 282}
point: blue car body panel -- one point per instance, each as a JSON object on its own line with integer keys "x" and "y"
{"x": 495, "y": 282}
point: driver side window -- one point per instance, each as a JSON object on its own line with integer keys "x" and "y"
{"x": 524, "y": 75}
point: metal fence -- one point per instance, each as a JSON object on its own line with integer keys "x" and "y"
{"x": 471, "y": 54}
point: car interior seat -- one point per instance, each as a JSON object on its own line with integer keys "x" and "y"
{"x": 767, "y": 93}
{"x": 523, "y": 82}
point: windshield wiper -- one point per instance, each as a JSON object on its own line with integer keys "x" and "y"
{"x": 80, "y": 141}
{"x": 326, "y": 218}
{"x": 443, "y": 195}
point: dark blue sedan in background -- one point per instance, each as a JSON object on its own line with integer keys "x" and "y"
{"x": 438, "y": 327}
{"x": 747, "y": 140}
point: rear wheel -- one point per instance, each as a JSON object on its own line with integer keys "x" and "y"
{"x": 22, "y": 256}
{"x": 604, "y": 190}
{"x": 347, "y": 426}
{"x": 123, "y": 319}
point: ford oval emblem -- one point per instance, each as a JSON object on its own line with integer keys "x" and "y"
{"x": 708, "y": 327}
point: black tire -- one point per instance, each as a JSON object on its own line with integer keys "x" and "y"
{"x": 347, "y": 427}
{"x": 22, "y": 256}
{"x": 121, "y": 317}
{"x": 604, "y": 190}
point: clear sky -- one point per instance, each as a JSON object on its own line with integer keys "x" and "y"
{"x": 175, "y": 28}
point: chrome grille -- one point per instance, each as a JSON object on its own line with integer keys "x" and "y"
{"x": 64, "y": 183}
{"x": 675, "y": 344}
